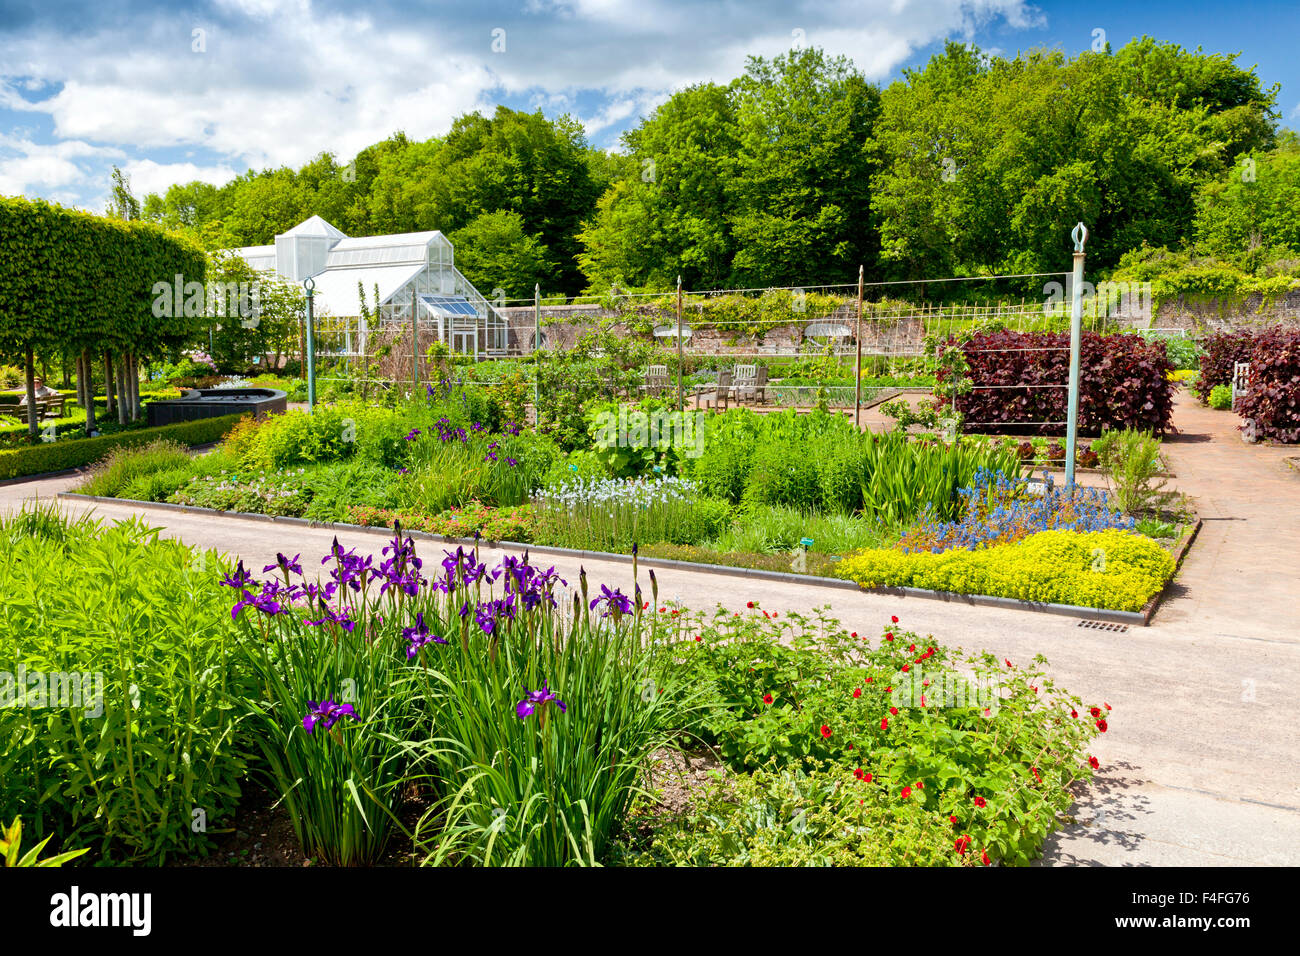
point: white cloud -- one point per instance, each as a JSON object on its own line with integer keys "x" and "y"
{"x": 146, "y": 176}
{"x": 279, "y": 81}
{"x": 42, "y": 169}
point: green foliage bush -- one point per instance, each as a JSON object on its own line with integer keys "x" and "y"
{"x": 1131, "y": 461}
{"x": 73, "y": 453}
{"x": 145, "y": 617}
{"x": 1102, "y": 569}
{"x": 124, "y": 465}
{"x": 886, "y": 752}
{"x": 1221, "y": 397}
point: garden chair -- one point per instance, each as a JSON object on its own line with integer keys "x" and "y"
{"x": 656, "y": 379}
{"x": 745, "y": 382}
{"x": 724, "y": 387}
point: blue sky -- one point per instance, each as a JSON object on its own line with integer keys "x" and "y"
{"x": 221, "y": 86}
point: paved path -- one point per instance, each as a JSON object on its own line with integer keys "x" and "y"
{"x": 1201, "y": 765}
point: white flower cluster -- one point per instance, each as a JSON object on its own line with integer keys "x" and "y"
{"x": 635, "y": 492}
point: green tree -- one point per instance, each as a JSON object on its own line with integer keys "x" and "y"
{"x": 495, "y": 253}
{"x": 1248, "y": 216}
{"x": 802, "y": 185}
{"x": 988, "y": 162}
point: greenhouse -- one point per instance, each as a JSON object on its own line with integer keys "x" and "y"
{"x": 401, "y": 276}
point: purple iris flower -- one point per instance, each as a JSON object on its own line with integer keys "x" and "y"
{"x": 239, "y": 578}
{"x": 265, "y": 601}
{"x": 327, "y": 714}
{"x": 536, "y": 699}
{"x": 412, "y": 435}
{"x": 419, "y": 635}
{"x": 511, "y": 462}
{"x": 285, "y": 564}
{"x": 616, "y": 602}
{"x": 331, "y": 617}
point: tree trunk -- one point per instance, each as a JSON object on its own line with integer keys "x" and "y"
{"x": 110, "y": 400}
{"x": 119, "y": 373}
{"x": 135, "y": 387}
{"x": 67, "y": 374}
{"x": 32, "y": 415}
{"x": 87, "y": 369}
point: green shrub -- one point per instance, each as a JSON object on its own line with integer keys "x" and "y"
{"x": 74, "y": 453}
{"x": 819, "y": 815}
{"x": 1102, "y": 569}
{"x": 1221, "y": 397}
{"x": 129, "y": 753}
{"x": 124, "y": 466}
{"x": 1131, "y": 461}
{"x": 931, "y": 740}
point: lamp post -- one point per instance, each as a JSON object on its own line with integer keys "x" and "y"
{"x": 1080, "y": 236}
{"x": 310, "y": 286}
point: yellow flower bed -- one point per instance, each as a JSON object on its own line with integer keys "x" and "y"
{"x": 1116, "y": 570}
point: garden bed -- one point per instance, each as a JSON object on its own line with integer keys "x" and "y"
{"x": 283, "y": 719}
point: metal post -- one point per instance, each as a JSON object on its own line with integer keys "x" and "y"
{"x": 310, "y": 286}
{"x": 681, "y": 401}
{"x": 537, "y": 350}
{"x": 1080, "y": 236}
{"x": 415, "y": 343}
{"x": 857, "y": 385}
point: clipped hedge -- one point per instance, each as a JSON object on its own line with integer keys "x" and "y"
{"x": 71, "y": 280}
{"x": 1272, "y": 399}
{"x": 1123, "y": 382}
{"x": 1222, "y": 351}
{"x": 1115, "y": 570}
{"x": 74, "y": 453}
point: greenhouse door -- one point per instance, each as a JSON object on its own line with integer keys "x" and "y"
{"x": 465, "y": 342}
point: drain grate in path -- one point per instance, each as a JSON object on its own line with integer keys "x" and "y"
{"x": 1103, "y": 626}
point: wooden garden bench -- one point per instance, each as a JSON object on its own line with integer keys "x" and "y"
{"x": 656, "y": 379}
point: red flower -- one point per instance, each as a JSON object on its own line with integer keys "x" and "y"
{"x": 1007, "y": 662}
{"x": 857, "y": 692}
{"x": 866, "y": 778}
{"x": 854, "y": 634}
{"x": 850, "y": 746}
{"x": 906, "y": 668}
{"x": 1033, "y": 688}
{"x": 767, "y": 698}
{"x": 907, "y": 792}
{"x": 1101, "y": 725}
{"x": 662, "y": 610}
{"x": 963, "y": 842}
{"x": 1073, "y": 712}
{"x": 1106, "y": 705}
{"x": 981, "y": 802}
{"x": 884, "y": 723}
{"x": 888, "y": 689}
{"x": 984, "y": 858}
{"x": 699, "y": 637}
{"x": 953, "y": 820}
{"x": 750, "y": 605}
{"x": 1092, "y": 762}
{"x": 893, "y": 711}
{"x": 911, "y": 648}
{"x": 826, "y": 731}
{"x": 858, "y": 773}
{"x": 869, "y": 680}
{"x": 920, "y": 785}
{"x": 894, "y": 618}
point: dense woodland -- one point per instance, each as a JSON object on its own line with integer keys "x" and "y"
{"x": 800, "y": 170}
